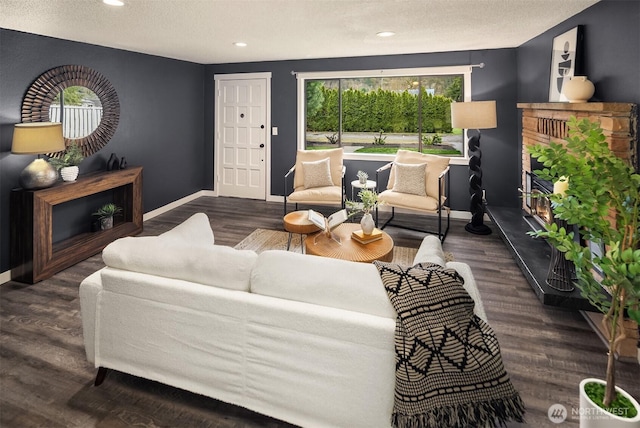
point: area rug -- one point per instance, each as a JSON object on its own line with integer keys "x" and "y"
{"x": 264, "y": 239}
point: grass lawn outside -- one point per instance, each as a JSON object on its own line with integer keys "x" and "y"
{"x": 362, "y": 142}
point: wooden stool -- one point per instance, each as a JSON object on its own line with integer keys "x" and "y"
{"x": 298, "y": 222}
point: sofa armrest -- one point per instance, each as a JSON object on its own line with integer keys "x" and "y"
{"x": 444, "y": 189}
{"x": 430, "y": 251}
{"x": 90, "y": 288}
{"x": 293, "y": 168}
{"x": 378, "y": 171}
{"x": 384, "y": 167}
{"x": 470, "y": 285}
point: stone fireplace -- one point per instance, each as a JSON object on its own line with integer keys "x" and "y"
{"x": 547, "y": 122}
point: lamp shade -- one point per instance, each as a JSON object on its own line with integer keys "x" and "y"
{"x": 474, "y": 115}
{"x": 36, "y": 138}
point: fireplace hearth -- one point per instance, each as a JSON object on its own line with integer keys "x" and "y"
{"x": 533, "y": 256}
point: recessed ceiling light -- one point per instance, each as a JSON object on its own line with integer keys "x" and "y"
{"x": 240, "y": 44}
{"x": 385, "y": 34}
{"x": 113, "y": 2}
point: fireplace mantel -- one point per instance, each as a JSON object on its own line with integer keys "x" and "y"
{"x": 547, "y": 122}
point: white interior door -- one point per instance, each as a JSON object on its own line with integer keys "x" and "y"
{"x": 241, "y": 137}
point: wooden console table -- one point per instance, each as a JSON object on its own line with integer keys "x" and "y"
{"x": 34, "y": 255}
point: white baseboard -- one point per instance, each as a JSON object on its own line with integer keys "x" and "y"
{"x": 166, "y": 208}
{"x": 5, "y": 276}
{"x": 275, "y": 198}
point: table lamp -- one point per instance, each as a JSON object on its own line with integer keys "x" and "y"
{"x": 475, "y": 115}
{"x": 37, "y": 138}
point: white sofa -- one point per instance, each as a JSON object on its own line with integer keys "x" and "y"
{"x": 304, "y": 339}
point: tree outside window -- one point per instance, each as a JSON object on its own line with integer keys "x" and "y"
{"x": 383, "y": 114}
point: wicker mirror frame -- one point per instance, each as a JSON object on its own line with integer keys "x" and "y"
{"x": 42, "y": 92}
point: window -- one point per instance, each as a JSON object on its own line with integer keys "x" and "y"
{"x": 373, "y": 113}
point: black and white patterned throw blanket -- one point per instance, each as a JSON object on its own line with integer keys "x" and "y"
{"x": 449, "y": 372}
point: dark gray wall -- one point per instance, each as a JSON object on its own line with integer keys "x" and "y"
{"x": 611, "y": 54}
{"x": 496, "y": 81}
{"x": 167, "y": 106}
{"x": 161, "y": 116}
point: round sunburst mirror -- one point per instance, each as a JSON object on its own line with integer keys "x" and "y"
{"x": 81, "y": 98}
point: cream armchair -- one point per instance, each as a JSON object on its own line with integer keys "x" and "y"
{"x": 318, "y": 178}
{"x": 417, "y": 182}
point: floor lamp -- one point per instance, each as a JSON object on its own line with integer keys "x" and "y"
{"x": 475, "y": 115}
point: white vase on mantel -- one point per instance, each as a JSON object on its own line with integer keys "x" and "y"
{"x": 578, "y": 89}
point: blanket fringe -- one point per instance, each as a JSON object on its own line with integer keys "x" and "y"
{"x": 492, "y": 413}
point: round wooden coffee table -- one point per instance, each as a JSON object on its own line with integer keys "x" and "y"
{"x": 348, "y": 249}
{"x": 298, "y": 222}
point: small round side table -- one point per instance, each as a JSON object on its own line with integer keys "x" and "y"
{"x": 369, "y": 185}
{"x": 298, "y": 222}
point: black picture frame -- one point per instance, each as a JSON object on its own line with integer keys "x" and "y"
{"x": 566, "y": 61}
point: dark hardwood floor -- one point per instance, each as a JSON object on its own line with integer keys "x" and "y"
{"x": 45, "y": 380}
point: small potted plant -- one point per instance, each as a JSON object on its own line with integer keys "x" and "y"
{"x": 362, "y": 177}
{"x": 68, "y": 162}
{"x": 105, "y": 215}
{"x": 368, "y": 201}
{"x": 602, "y": 200}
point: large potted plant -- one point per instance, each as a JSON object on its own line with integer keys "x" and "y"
{"x": 68, "y": 162}
{"x": 602, "y": 201}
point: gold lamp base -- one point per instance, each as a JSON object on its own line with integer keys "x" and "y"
{"x": 39, "y": 174}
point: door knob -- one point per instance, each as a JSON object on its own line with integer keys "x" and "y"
{"x": 261, "y": 145}
{"x": 261, "y": 126}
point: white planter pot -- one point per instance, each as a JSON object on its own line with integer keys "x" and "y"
{"x": 367, "y": 224}
{"x": 592, "y": 416}
{"x": 69, "y": 173}
{"x": 578, "y": 89}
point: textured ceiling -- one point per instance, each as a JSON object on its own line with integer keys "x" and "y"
{"x": 204, "y": 31}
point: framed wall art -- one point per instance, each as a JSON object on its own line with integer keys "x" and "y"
{"x": 566, "y": 61}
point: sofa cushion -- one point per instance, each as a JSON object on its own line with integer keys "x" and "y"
{"x": 405, "y": 200}
{"x": 215, "y": 265}
{"x": 435, "y": 166}
{"x": 194, "y": 230}
{"x": 335, "y": 159}
{"x": 322, "y": 281}
{"x": 317, "y": 195}
{"x": 317, "y": 173}
{"x": 410, "y": 178}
